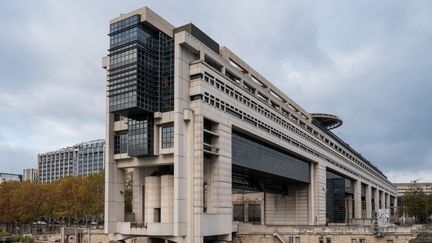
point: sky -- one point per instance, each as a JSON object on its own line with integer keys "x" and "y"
{"x": 369, "y": 62}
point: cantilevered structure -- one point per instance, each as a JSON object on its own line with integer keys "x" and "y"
{"x": 212, "y": 144}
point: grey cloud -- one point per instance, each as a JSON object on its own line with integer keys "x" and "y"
{"x": 366, "y": 61}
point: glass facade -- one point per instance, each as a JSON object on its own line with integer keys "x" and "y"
{"x": 253, "y": 154}
{"x": 168, "y": 137}
{"x": 89, "y": 159}
{"x": 120, "y": 143}
{"x": 140, "y": 79}
{"x": 140, "y": 136}
{"x": 339, "y": 198}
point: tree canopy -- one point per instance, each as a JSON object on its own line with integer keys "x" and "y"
{"x": 72, "y": 199}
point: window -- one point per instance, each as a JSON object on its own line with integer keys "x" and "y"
{"x": 168, "y": 137}
{"x": 120, "y": 143}
{"x": 389, "y": 241}
{"x": 328, "y": 240}
{"x": 297, "y": 239}
{"x": 353, "y": 240}
{"x": 238, "y": 212}
{"x": 362, "y": 241}
{"x": 157, "y": 215}
{"x": 254, "y": 212}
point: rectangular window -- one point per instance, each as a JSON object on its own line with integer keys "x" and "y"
{"x": 120, "y": 143}
{"x": 362, "y": 241}
{"x": 297, "y": 239}
{"x": 353, "y": 240}
{"x": 168, "y": 137}
{"x": 157, "y": 215}
{"x": 238, "y": 212}
{"x": 254, "y": 212}
{"x": 328, "y": 240}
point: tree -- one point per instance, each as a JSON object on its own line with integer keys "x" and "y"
{"x": 417, "y": 204}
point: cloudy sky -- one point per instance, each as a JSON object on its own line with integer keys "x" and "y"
{"x": 369, "y": 62}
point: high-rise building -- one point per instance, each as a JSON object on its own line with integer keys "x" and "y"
{"x": 9, "y": 177}
{"x": 30, "y": 174}
{"x": 80, "y": 159}
{"x": 213, "y": 145}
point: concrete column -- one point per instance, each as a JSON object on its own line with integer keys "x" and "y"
{"x": 382, "y": 196}
{"x": 167, "y": 198}
{"x": 320, "y": 189}
{"x": 138, "y": 199}
{"x": 376, "y": 199}
{"x": 387, "y": 200}
{"x": 114, "y": 196}
{"x": 152, "y": 198}
{"x": 311, "y": 195}
{"x": 368, "y": 201}
{"x": 357, "y": 199}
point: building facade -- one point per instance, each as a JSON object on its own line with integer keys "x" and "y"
{"x": 9, "y": 177}
{"x": 78, "y": 160}
{"x": 30, "y": 174}
{"x": 403, "y": 188}
{"x": 213, "y": 145}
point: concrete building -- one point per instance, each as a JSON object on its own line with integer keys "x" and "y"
{"x": 30, "y": 174}
{"x": 213, "y": 145}
{"x": 89, "y": 158}
{"x": 9, "y": 177}
{"x": 403, "y": 188}
{"x": 80, "y": 159}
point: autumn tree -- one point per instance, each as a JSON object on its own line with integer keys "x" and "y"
{"x": 418, "y": 205}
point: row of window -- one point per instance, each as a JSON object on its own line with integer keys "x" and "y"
{"x": 250, "y": 103}
{"x": 284, "y": 112}
{"x": 133, "y": 20}
{"x": 226, "y": 107}
{"x": 121, "y": 139}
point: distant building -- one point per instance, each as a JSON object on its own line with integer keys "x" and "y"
{"x": 89, "y": 158}
{"x": 403, "y": 188}
{"x": 9, "y": 177}
{"x": 80, "y": 159}
{"x": 30, "y": 174}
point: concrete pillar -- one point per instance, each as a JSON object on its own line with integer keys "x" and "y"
{"x": 368, "y": 201}
{"x": 138, "y": 198}
{"x": 311, "y": 195}
{"x": 382, "y": 196}
{"x": 152, "y": 198}
{"x": 114, "y": 196}
{"x": 376, "y": 199}
{"x": 167, "y": 198}
{"x": 357, "y": 199}
{"x": 388, "y": 200}
{"x": 320, "y": 189}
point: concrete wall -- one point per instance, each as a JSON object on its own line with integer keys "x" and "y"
{"x": 290, "y": 209}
